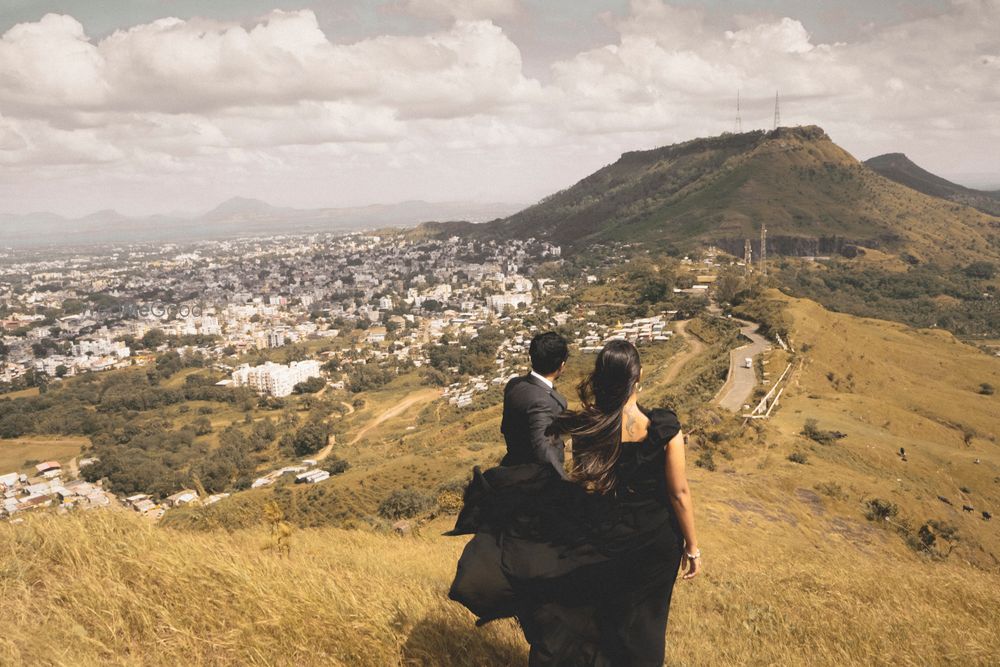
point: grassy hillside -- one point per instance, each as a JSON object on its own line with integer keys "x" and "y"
{"x": 899, "y": 168}
{"x": 813, "y": 196}
{"x": 430, "y": 447}
{"x": 799, "y": 561}
{"x": 785, "y": 577}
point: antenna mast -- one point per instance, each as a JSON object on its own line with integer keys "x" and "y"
{"x": 777, "y": 111}
{"x": 763, "y": 249}
{"x": 739, "y": 118}
{"x": 747, "y": 256}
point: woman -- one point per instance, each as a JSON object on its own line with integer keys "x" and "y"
{"x": 586, "y": 565}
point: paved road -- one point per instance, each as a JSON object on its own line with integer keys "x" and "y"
{"x": 741, "y": 381}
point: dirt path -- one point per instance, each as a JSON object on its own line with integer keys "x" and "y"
{"x": 422, "y": 396}
{"x": 694, "y": 348}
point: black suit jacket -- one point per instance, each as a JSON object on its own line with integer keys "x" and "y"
{"x": 529, "y": 406}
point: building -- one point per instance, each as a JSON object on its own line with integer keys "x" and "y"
{"x": 49, "y": 469}
{"x": 515, "y": 300}
{"x": 376, "y": 335}
{"x": 276, "y": 338}
{"x": 275, "y": 379}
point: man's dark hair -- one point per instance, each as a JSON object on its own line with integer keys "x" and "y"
{"x": 548, "y": 351}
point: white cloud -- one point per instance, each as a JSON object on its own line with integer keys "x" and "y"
{"x": 460, "y": 9}
{"x": 275, "y": 107}
{"x": 175, "y": 66}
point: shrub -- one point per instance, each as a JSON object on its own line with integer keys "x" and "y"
{"x": 405, "y": 504}
{"x": 986, "y": 389}
{"x": 706, "y": 460}
{"x": 877, "y": 509}
{"x": 812, "y": 431}
{"x": 798, "y": 457}
{"x": 831, "y": 489}
{"x": 932, "y": 537}
{"x": 336, "y": 466}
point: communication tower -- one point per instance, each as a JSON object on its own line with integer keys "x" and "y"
{"x": 747, "y": 256}
{"x": 739, "y": 119}
{"x": 763, "y": 249}
{"x": 777, "y": 111}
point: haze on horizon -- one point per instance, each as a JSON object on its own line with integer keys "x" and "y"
{"x": 146, "y": 106}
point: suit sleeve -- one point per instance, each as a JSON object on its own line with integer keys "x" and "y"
{"x": 545, "y": 447}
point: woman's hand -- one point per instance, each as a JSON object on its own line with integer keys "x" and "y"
{"x": 693, "y": 565}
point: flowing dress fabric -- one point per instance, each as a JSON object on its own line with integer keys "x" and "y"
{"x": 588, "y": 576}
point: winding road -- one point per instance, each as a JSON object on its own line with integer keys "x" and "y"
{"x": 741, "y": 381}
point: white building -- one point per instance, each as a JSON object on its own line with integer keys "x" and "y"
{"x": 275, "y": 379}
{"x": 515, "y": 300}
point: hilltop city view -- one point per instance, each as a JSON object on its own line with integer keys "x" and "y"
{"x": 270, "y": 277}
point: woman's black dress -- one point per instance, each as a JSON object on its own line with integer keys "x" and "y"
{"x": 588, "y": 576}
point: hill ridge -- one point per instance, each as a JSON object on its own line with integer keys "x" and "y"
{"x": 814, "y": 196}
{"x": 901, "y": 169}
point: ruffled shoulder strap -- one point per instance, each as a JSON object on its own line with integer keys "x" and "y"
{"x": 663, "y": 426}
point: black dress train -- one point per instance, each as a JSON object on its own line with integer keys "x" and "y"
{"x": 588, "y": 576}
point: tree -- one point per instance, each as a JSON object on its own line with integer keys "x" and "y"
{"x": 202, "y": 426}
{"x": 310, "y": 438}
{"x": 405, "y": 504}
{"x": 729, "y": 284}
{"x": 153, "y": 339}
{"x": 981, "y": 270}
{"x": 309, "y": 386}
{"x": 336, "y": 466}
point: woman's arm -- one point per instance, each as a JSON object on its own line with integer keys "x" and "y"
{"x": 680, "y": 498}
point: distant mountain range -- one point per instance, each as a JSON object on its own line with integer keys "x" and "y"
{"x": 233, "y": 218}
{"x": 899, "y": 168}
{"x": 813, "y": 196}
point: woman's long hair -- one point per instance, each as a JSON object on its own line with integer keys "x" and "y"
{"x": 596, "y": 428}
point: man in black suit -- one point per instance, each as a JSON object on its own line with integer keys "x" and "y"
{"x": 531, "y": 402}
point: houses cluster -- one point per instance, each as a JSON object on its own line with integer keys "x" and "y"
{"x": 254, "y": 294}
{"x": 46, "y": 488}
{"x": 144, "y": 504}
{"x": 305, "y": 473}
{"x": 640, "y": 331}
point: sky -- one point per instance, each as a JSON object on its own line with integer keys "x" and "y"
{"x": 149, "y": 106}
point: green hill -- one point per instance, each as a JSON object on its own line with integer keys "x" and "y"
{"x": 814, "y": 197}
{"x": 899, "y": 168}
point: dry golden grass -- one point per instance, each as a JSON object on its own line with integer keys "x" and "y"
{"x": 107, "y": 588}
{"x": 792, "y": 576}
{"x": 14, "y": 452}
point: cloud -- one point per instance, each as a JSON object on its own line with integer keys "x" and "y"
{"x": 274, "y": 105}
{"x": 50, "y": 68}
{"x": 460, "y": 9}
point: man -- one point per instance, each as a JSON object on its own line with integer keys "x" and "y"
{"x": 531, "y": 402}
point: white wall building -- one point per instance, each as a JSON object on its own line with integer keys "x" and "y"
{"x": 275, "y": 379}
